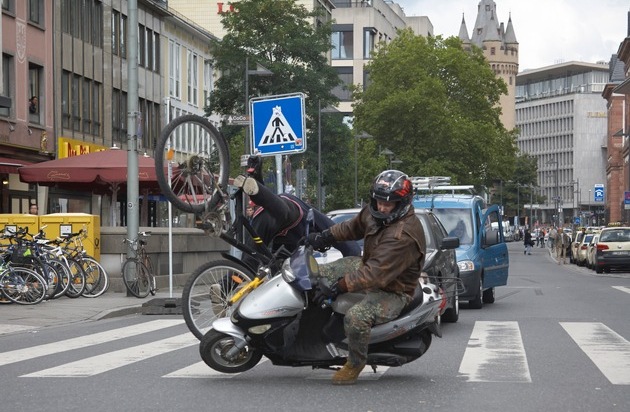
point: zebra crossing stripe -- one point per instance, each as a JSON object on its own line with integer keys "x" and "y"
{"x": 609, "y": 351}
{"x": 116, "y": 359}
{"x": 202, "y": 371}
{"x": 495, "y": 353}
{"x": 4, "y": 329}
{"x": 367, "y": 374}
{"x": 622, "y": 288}
{"x": 83, "y": 341}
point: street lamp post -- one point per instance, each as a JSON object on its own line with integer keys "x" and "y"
{"x": 362, "y": 135}
{"x": 319, "y": 149}
{"x": 556, "y": 198}
{"x": 259, "y": 71}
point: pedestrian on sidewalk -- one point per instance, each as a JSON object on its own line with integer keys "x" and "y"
{"x": 527, "y": 241}
{"x": 562, "y": 243}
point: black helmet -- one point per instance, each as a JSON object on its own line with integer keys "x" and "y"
{"x": 391, "y": 186}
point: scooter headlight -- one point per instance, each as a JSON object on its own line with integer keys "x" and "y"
{"x": 287, "y": 272}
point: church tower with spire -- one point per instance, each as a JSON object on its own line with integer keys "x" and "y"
{"x": 500, "y": 47}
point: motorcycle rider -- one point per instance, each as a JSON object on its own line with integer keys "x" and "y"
{"x": 388, "y": 271}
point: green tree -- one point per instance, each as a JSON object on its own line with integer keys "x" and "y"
{"x": 293, "y": 44}
{"x": 436, "y": 106}
{"x": 520, "y": 189}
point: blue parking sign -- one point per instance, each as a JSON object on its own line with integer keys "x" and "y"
{"x": 598, "y": 193}
{"x": 278, "y": 124}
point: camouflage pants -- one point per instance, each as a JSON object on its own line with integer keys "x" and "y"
{"x": 376, "y": 307}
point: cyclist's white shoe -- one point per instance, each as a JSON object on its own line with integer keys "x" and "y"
{"x": 248, "y": 184}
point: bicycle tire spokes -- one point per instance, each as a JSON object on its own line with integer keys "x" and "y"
{"x": 192, "y": 164}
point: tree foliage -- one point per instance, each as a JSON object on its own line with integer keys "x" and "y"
{"x": 282, "y": 36}
{"x": 436, "y": 106}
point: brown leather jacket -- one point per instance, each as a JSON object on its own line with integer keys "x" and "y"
{"x": 393, "y": 255}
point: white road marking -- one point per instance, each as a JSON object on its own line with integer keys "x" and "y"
{"x": 116, "y": 359}
{"x": 495, "y": 353}
{"x": 83, "y": 341}
{"x": 609, "y": 351}
{"x": 622, "y": 288}
{"x": 5, "y": 328}
{"x": 367, "y": 374}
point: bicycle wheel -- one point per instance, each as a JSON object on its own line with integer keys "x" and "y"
{"x": 23, "y": 286}
{"x": 147, "y": 262}
{"x": 64, "y": 277}
{"x": 198, "y": 157}
{"x": 77, "y": 281}
{"x": 96, "y": 278}
{"x": 136, "y": 277}
{"x": 207, "y": 292}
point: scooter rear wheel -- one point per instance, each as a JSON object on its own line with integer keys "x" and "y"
{"x": 213, "y": 348}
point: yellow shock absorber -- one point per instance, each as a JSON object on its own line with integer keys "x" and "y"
{"x": 245, "y": 290}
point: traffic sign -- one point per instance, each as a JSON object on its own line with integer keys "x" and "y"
{"x": 598, "y": 193}
{"x": 278, "y": 124}
{"x": 237, "y": 119}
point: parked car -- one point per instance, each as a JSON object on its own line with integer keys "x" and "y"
{"x": 439, "y": 262}
{"x": 577, "y": 239}
{"x": 580, "y": 257}
{"x": 590, "y": 251}
{"x": 482, "y": 255}
{"x": 613, "y": 249}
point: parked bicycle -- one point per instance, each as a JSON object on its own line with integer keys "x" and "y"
{"x": 137, "y": 272}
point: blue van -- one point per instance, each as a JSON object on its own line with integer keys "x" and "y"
{"x": 482, "y": 256}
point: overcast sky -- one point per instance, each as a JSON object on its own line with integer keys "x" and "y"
{"x": 548, "y": 31}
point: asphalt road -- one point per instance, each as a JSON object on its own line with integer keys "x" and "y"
{"x": 556, "y": 339}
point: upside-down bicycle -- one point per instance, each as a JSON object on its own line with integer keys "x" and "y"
{"x": 192, "y": 164}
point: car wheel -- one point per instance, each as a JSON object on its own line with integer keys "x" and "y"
{"x": 451, "y": 315}
{"x": 599, "y": 269}
{"x": 476, "y": 302}
{"x": 488, "y": 295}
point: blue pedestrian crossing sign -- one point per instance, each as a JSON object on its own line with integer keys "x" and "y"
{"x": 598, "y": 193}
{"x": 278, "y": 124}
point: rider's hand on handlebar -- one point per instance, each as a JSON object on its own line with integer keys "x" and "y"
{"x": 321, "y": 240}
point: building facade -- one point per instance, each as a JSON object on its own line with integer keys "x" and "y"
{"x": 27, "y": 118}
{"x": 75, "y": 59}
{"x": 359, "y": 26}
{"x": 622, "y": 126}
{"x": 615, "y": 187}
{"x": 499, "y": 46}
{"x": 562, "y": 120}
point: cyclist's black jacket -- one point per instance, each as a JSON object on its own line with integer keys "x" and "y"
{"x": 281, "y": 220}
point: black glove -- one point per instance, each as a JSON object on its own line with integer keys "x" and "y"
{"x": 325, "y": 294}
{"x": 321, "y": 240}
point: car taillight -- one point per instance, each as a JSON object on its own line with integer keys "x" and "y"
{"x": 583, "y": 247}
{"x": 602, "y": 247}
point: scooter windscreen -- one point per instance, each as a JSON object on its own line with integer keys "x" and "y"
{"x": 299, "y": 268}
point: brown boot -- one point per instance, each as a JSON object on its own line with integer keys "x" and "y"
{"x": 347, "y": 375}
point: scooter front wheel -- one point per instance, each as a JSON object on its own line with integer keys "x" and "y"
{"x": 214, "y": 348}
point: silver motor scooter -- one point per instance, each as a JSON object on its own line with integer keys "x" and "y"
{"x": 280, "y": 321}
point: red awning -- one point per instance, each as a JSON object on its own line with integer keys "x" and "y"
{"x": 11, "y": 165}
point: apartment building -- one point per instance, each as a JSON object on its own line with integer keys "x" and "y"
{"x": 359, "y": 26}
{"x": 73, "y": 56}
{"x": 562, "y": 120}
{"x": 27, "y": 113}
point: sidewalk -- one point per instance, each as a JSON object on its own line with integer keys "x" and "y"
{"x": 111, "y": 304}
